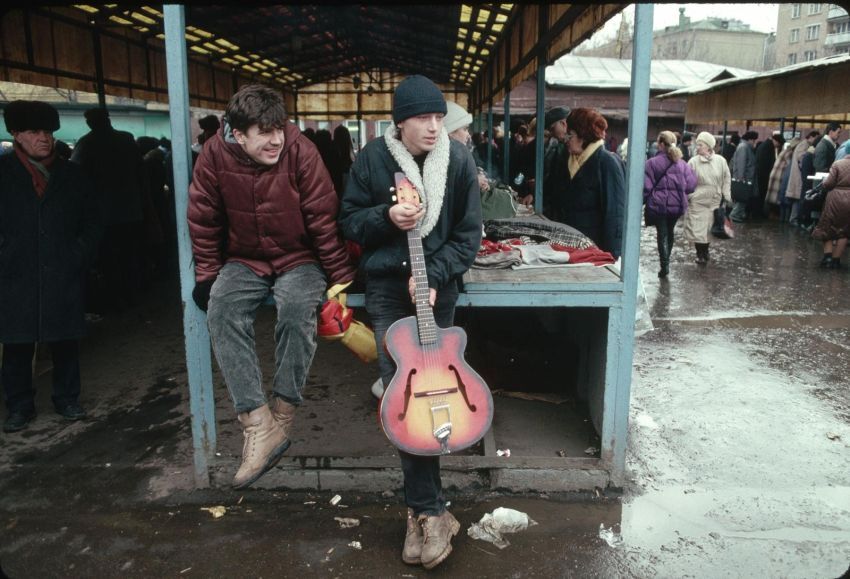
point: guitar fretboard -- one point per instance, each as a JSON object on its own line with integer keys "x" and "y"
{"x": 424, "y": 313}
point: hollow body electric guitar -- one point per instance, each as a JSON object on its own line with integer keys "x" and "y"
{"x": 436, "y": 403}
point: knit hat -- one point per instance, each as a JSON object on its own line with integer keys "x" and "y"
{"x": 30, "y": 116}
{"x": 456, "y": 117}
{"x": 417, "y": 95}
{"x": 707, "y": 138}
{"x": 554, "y": 115}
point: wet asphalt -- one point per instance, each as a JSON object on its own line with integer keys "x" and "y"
{"x": 738, "y": 462}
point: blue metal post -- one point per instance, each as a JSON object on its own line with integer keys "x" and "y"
{"x": 198, "y": 362}
{"x": 622, "y": 320}
{"x": 539, "y": 145}
{"x": 506, "y": 148}
{"x": 490, "y": 140}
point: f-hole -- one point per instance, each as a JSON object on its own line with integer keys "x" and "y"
{"x": 407, "y": 389}
{"x": 462, "y": 388}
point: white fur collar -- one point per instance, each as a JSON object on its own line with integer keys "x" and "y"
{"x": 431, "y": 186}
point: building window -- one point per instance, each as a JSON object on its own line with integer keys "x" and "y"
{"x": 815, "y": 8}
{"x": 812, "y": 32}
{"x": 841, "y": 27}
{"x": 795, "y": 10}
{"x": 684, "y": 47}
{"x": 795, "y": 35}
{"x": 792, "y": 58}
{"x": 810, "y": 55}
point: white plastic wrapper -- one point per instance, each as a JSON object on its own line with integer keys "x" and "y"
{"x": 492, "y": 525}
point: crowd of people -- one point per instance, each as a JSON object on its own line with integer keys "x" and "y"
{"x": 274, "y": 210}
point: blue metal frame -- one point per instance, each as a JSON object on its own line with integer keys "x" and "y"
{"x": 618, "y": 296}
{"x": 621, "y": 320}
{"x": 198, "y": 360}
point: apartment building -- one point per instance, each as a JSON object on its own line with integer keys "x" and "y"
{"x": 807, "y": 32}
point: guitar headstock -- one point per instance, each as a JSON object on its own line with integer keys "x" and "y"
{"x": 405, "y": 191}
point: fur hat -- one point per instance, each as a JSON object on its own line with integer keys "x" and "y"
{"x": 30, "y": 116}
{"x": 456, "y": 117}
{"x": 554, "y": 115}
{"x": 417, "y": 95}
{"x": 707, "y": 138}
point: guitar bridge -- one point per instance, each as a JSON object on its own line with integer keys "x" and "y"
{"x": 441, "y": 421}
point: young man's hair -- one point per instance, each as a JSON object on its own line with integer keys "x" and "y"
{"x": 813, "y": 134}
{"x": 256, "y": 104}
{"x": 833, "y": 126}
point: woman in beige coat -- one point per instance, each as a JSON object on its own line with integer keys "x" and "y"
{"x": 714, "y": 184}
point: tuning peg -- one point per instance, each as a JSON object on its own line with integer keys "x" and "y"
{"x": 394, "y": 198}
{"x": 392, "y": 189}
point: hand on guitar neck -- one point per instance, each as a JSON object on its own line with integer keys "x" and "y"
{"x": 411, "y": 287}
{"x": 406, "y": 215}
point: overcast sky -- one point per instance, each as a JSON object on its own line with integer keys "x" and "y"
{"x": 760, "y": 17}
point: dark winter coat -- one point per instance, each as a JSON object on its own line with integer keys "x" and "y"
{"x": 46, "y": 245}
{"x": 666, "y": 186}
{"x": 450, "y": 247}
{"x": 113, "y": 162}
{"x": 824, "y": 155}
{"x": 765, "y": 159}
{"x": 593, "y": 200}
{"x": 270, "y": 218}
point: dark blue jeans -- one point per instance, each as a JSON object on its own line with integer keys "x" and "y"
{"x": 388, "y": 300}
{"x": 17, "y": 375}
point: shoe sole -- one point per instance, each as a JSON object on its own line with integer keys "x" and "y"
{"x": 274, "y": 458}
{"x": 447, "y": 551}
{"x": 416, "y": 561}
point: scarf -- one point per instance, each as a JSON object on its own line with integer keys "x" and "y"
{"x": 39, "y": 170}
{"x": 431, "y": 181}
{"x": 576, "y": 161}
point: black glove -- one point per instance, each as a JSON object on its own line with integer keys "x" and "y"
{"x": 201, "y": 293}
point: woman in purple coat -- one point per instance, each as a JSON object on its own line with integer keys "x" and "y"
{"x": 667, "y": 182}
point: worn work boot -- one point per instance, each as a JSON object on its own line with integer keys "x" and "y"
{"x": 283, "y": 413}
{"x": 437, "y": 543}
{"x": 412, "y": 551}
{"x": 265, "y": 443}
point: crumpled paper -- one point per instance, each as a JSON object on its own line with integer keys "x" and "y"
{"x": 502, "y": 520}
{"x": 609, "y": 536}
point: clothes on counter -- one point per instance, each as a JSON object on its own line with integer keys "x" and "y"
{"x": 538, "y": 227}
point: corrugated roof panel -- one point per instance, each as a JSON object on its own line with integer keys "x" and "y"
{"x": 591, "y": 71}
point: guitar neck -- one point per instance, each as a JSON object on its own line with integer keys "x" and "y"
{"x": 424, "y": 313}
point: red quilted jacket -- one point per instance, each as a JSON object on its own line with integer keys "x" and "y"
{"x": 271, "y": 218}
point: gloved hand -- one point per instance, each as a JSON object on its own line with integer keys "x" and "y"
{"x": 201, "y": 293}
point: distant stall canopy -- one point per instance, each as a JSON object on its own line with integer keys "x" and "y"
{"x": 811, "y": 91}
{"x": 330, "y": 61}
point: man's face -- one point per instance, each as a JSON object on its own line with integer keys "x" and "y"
{"x": 36, "y": 144}
{"x": 834, "y": 134}
{"x": 419, "y": 134}
{"x": 263, "y": 146}
{"x": 559, "y": 130}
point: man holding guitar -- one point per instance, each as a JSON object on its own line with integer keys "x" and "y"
{"x": 445, "y": 226}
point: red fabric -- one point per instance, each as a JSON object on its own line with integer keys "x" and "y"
{"x": 592, "y": 255}
{"x": 490, "y": 247}
{"x": 271, "y": 218}
{"x": 39, "y": 181}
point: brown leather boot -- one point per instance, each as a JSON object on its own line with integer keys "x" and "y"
{"x": 438, "y": 532}
{"x": 412, "y": 551}
{"x": 283, "y": 413}
{"x": 265, "y": 443}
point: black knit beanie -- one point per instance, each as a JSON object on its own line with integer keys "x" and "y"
{"x": 30, "y": 116}
{"x": 417, "y": 95}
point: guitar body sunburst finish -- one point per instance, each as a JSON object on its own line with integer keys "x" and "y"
{"x": 433, "y": 386}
